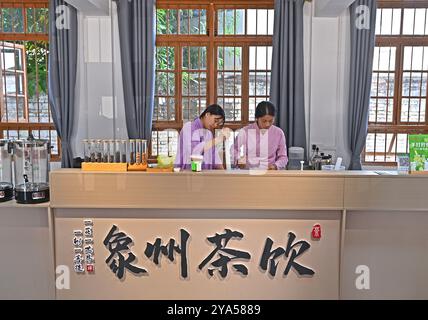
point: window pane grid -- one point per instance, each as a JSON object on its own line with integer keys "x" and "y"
{"x": 388, "y": 21}
{"x": 414, "y": 83}
{"x": 164, "y": 109}
{"x": 13, "y": 82}
{"x": 24, "y": 107}
{"x": 25, "y": 82}
{"x": 212, "y": 68}
{"x": 254, "y": 22}
{"x": 194, "y": 81}
{"x": 164, "y": 142}
{"x": 259, "y": 78}
{"x": 403, "y": 29}
{"x": 22, "y": 19}
{"x": 229, "y": 81}
{"x": 184, "y": 21}
{"x": 383, "y": 85}
{"x": 415, "y": 21}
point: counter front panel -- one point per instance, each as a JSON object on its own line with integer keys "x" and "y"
{"x": 145, "y": 254}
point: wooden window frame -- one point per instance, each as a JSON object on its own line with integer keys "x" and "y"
{"x": 25, "y": 36}
{"x": 399, "y": 42}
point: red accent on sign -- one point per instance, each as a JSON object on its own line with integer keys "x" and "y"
{"x": 316, "y": 232}
{"x": 90, "y": 268}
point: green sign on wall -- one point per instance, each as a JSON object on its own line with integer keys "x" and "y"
{"x": 418, "y": 148}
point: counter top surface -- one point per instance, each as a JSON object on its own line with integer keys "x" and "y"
{"x": 252, "y": 173}
{"x": 13, "y": 204}
{"x": 240, "y": 189}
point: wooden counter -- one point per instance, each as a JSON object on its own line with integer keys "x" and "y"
{"x": 205, "y": 190}
{"x": 290, "y": 190}
{"x": 369, "y": 220}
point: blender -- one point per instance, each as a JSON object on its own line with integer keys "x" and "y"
{"x": 6, "y": 186}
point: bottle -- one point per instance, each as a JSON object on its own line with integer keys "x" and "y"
{"x": 314, "y": 149}
{"x": 86, "y": 151}
{"x": 317, "y": 160}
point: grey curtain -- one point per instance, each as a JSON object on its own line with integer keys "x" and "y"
{"x": 137, "y": 46}
{"x": 362, "y": 50}
{"x": 287, "y": 85}
{"x": 62, "y": 72}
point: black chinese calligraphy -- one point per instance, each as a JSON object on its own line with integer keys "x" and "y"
{"x": 226, "y": 255}
{"x": 118, "y": 245}
{"x": 156, "y": 249}
{"x": 292, "y": 252}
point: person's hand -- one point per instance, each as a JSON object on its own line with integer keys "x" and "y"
{"x": 273, "y": 167}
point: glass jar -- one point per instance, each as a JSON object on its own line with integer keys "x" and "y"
{"x": 6, "y": 186}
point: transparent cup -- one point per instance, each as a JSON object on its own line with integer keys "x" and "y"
{"x": 86, "y": 151}
{"x": 123, "y": 151}
{"x": 111, "y": 146}
{"x": 106, "y": 151}
{"x": 117, "y": 158}
{"x": 132, "y": 151}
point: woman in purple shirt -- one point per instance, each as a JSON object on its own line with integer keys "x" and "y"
{"x": 197, "y": 138}
{"x": 261, "y": 144}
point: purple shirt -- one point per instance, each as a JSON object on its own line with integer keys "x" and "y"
{"x": 260, "y": 149}
{"x": 192, "y": 140}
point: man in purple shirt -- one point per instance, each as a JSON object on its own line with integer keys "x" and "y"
{"x": 197, "y": 138}
{"x": 261, "y": 144}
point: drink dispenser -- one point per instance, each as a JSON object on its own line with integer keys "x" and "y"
{"x": 31, "y": 170}
{"x": 295, "y": 155}
{"x": 6, "y": 186}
